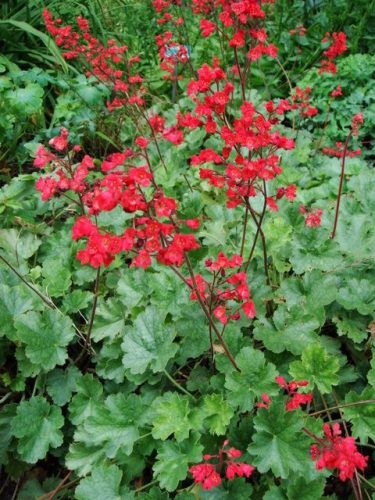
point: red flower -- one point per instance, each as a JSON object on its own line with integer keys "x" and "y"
{"x": 238, "y": 469}
{"x": 143, "y": 259}
{"x": 337, "y": 91}
{"x": 249, "y": 309}
{"x": 207, "y": 27}
{"x": 43, "y": 157}
{"x": 314, "y": 219}
{"x": 336, "y": 452}
{"x": 206, "y": 475}
{"x": 60, "y": 142}
{"x": 220, "y": 314}
{"x": 265, "y": 403}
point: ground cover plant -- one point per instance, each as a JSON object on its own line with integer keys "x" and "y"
{"x": 187, "y": 289}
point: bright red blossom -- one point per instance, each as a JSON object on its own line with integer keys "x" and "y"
{"x": 207, "y": 475}
{"x": 337, "y": 452}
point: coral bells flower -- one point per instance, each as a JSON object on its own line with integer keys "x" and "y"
{"x": 43, "y": 157}
{"x": 295, "y": 399}
{"x": 60, "y": 142}
{"x": 336, "y": 452}
{"x": 265, "y": 403}
{"x": 337, "y": 91}
{"x": 238, "y": 469}
{"x": 356, "y": 121}
{"x": 312, "y": 218}
{"x": 206, "y": 473}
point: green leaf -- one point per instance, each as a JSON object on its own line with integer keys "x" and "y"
{"x": 173, "y": 460}
{"x": 279, "y": 443}
{"x": 109, "y": 320}
{"x": 149, "y": 344}
{"x": 256, "y": 377}
{"x": 26, "y": 100}
{"x": 358, "y": 294}
{"x": 109, "y": 361}
{"x": 217, "y": 413}
{"x": 6, "y": 415}
{"x": 113, "y": 425}
{"x": 48, "y": 42}
{"x": 292, "y": 330}
{"x": 14, "y": 301}
{"x": 76, "y": 300}
{"x": 105, "y": 481}
{"x": 318, "y": 367}
{"x": 18, "y": 244}
{"x": 306, "y": 292}
{"x": 191, "y": 329}
{"x": 60, "y": 384}
{"x": 361, "y": 416}
{"x": 371, "y": 372}
{"x": 57, "y": 277}
{"x": 83, "y": 404}
{"x": 306, "y": 490}
{"x": 155, "y": 494}
{"x": 275, "y": 493}
{"x": 352, "y": 325}
{"x": 46, "y": 336}
{"x": 37, "y": 425}
{"x": 82, "y": 458}
{"x": 132, "y": 288}
{"x": 173, "y": 416}
{"x": 167, "y": 293}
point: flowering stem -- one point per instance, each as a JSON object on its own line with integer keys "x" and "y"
{"x": 174, "y": 382}
{"x": 258, "y": 224}
{"x": 340, "y": 184}
{"x": 240, "y": 76}
{"x": 355, "y": 403}
{"x": 45, "y": 299}
{"x": 312, "y": 435}
{"x": 208, "y": 316}
{"x": 92, "y": 316}
{"x": 246, "y": 217}
{"x": 93, "y": 310}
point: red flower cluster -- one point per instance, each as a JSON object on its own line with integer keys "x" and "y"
{"x": 103, "y": 62}
{"x": 337, "y": 452}
{"x": 218, "y": 299}
{"x": 337, "y": 91}
{"x": 337, "y": 47}
{"x": 155, "y": 227}
{"x": 300, "y": 100}
{"x": 357, "y": 120}
{"x": 295, "y": 399}
{"x": 298, "y": 30}
{"x": 208, "y": 475}
{"x": 313, "y": 218}
{"x": 339, "y": 151}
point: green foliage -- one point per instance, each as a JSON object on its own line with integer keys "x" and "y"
{"x": 46, "y": 336}
{"x": 149, "y": 344}
{"x": 256, "y": 377}
{"x": 317, "y": 367}
{"x": 173, "y": 460}
{"x": 105, "y": 479}
{"x": 173, "y": 416}
{"x": 277, "y": 443}
{"x": 37, "y": 426}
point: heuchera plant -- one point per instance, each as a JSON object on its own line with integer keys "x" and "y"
{"x": 245, "y": 166}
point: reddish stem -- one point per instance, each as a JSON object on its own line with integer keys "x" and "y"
{"x": 340, "y": 185}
